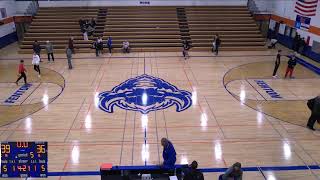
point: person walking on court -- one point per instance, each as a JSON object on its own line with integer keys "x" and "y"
{"x": 193, "y": 173}
{"x": 218, "y": 43}
{"x": 185, "y": 52}
{"x": 234, "y": 172}
{"x": 49, "y": 48}
{"x": 69, "y": 57}
{"x": 36, "y": 48}
{"x": 36, "y": 63}
{"x": 71, "y": 45}
{"x": 314, "y": 106}
{"x": 22, "y": 72}
{"x": 109, "y": 44}
{"x": 291, "y": 64}
{"x": 168, "y": 154}
{"x": 276, "y": 64}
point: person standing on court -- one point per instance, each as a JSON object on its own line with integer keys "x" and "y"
{"x": 36, "y": 63}
{"x": 291, "y": 64}
{"x": 218, "y": 43}
{"x": 276, "y": 64}
{"x": 193, "y": 173}
{"x": 49, "y": 48}
{"x": 109, "y": 44}
{"x": 234, "y": 172}
{"x": 314, "y": 106}
{"x": 71, "y": 45}
{"x": 69, "y": 57}
{"x": 22, "y": 72}
{"x": 168, "y": 154}
{"x": 36, "y": 48}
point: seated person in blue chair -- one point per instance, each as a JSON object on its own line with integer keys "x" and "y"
{"x": 233, "y": 173}
{"x": 168, "y": 154}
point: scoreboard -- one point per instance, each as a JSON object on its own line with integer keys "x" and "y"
{"x": 24, "y": 159}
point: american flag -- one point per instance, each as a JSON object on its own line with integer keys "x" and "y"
{"x": 306, "y": 7}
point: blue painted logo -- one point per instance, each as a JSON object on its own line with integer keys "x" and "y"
{"x": 268, "y": 89}
{"x": 145, "y": 93}
{"x": 16, "y": 95}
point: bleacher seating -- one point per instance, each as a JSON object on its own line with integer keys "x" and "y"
{"x": 58, "y": 25}
{"x": 234, "y": 24}
{"x": 147, "y": 28}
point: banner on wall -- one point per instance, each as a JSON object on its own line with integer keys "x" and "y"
{"x": 302, "y": 23}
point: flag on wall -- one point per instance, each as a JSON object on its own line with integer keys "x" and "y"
{"x": 302, "y": 23}
{"x": 306, "y": 7}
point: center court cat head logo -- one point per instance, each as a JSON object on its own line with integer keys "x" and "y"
{"x": 145, "y": 94}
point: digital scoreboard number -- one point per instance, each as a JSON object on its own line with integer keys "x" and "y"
{"x": 24, "y": 159}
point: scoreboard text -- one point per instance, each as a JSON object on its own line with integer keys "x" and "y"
{"x": 24, "y": 159}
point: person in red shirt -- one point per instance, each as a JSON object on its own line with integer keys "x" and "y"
{"x": 22, "y": 71}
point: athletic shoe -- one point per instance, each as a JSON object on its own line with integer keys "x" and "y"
{"x": 274, "y": 76}
{"x": 311, "y": 128}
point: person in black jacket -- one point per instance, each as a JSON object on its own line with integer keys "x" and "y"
{"x": 291, "y": 64}
{"x": 193, "y": 173}
{"x": 36, "y": 48}
{"x": 276, "y": 64}
{"x": 218, "y": 43}
{"x": 314, "y": 106}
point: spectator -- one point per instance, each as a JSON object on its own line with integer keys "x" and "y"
{"x": 36, "y": 63}
{"x": 186, "y": 44}
{"x": 82, "y": 25}
{"x": 22, "y": 72}
{"x": 93, "y": 23}
{"x": 49, "y": 48}
{"x": 302, "y": 45}
{"x": 314, "y": 106}
{"x": 276, "y": 64}
{"x": 98, "y": 45}
{"x": 90, "y": 30}
{"x": 296, "y": 42}
{"x": 36, "y": 48}
{"x": 291, "y": 64}
{"x": 234, "y": 172}
{"x": 193, "y": 173}
{"x": 185, "y": 52}
{"x": 214, "y": 42}
{"x": 69, "y": 57}
{"x": 70, "y": 45}
{"x": 218, "y": 43}
{"x": 126, "y": 47}
{"x": 168, "y": 154}
{"x": 109, "y": 44}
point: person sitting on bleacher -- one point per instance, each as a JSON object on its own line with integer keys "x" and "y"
{"x": 93, "y": 23}
{"x": 90, "y": 30}
{"x": 82, "y": 25}
{"x": 168, "y": 154}
{"x": 126, "y": 47}
{"x": 193, "y": 173}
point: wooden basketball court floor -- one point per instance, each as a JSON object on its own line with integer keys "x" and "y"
{"x": 231, "y": 117}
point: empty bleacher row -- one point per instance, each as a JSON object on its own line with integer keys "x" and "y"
{"x": 147, "y": 28}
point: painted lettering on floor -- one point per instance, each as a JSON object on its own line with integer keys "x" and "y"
{"x": 16, "y": 95}
{"x": 268, "y": 89}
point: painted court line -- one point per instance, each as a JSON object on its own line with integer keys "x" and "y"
{"x": 204, "y": 170}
